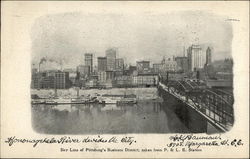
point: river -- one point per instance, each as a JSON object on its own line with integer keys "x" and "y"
{"x": 147, "y": 116}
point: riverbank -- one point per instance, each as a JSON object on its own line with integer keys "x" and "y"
{"x": 141, "y": 93}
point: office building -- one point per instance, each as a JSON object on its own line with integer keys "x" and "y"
{"x": 48, "y": 82}
{"x": 89, "y": 61}
{"x": 36, "y": 80}
{"x": 102, "y": 63}
{"x": 84, "y": 71}
{"x": 111, "y": 58}
{"x": 208, "y": 56}
{"x": 62, "y": 80}
{"x": 195, "y": 60}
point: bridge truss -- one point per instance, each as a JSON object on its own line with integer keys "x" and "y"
{"x": 215, "y": 105}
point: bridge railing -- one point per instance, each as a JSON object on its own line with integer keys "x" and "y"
{"x": 216, "y": 106}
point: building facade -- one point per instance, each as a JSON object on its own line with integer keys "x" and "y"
{"x": 208, "y": 56}
{"x": 119, "y": 64}
{"x": 84, "y": 71}
{"x": 102, "y": 63}
{"x": 110, "y": 75}
{"x": 143, "y": 66}
{"x": 36, "y": 80}
{"x": 111, "y": 58}
{"x": 123, "y": 81}
{"x": 168, "y": 66}
{"x": 157, "y": 67}
{"x": 89, "y": 61}
{"x": 182, "y": 63}
{"x": 195, "y": 60}
{"x": 62, "y": 80}
{"x": 145, "y": 79}
{"x": 102, "y": 76}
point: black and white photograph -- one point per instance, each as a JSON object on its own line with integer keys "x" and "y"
{"x": 120, "y": 73}
{"x": 124, "y": 79}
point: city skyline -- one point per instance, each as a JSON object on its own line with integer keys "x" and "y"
{"x": 134, "y": 37}
{"x": 93, "y": 62}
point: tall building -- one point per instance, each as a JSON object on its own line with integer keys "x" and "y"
{"x": 102, "y": 64}
{"x": 195, "y": 60}
{"x": 119, "y": 64}
{"x": 83, "y": 70}
{"x": 48, "y": 82}
{"x": 111, "y": 57}
{"x": 143, "y": 66}
{"x": 182, "y": 63}
{"x": 89, "y": 61}
{"x": 36, "y": 80}
{"x": 208, "y": 56}
{"x": 62, "y": 80}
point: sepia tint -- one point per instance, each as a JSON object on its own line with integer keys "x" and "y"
{"x": 122, "y": 73}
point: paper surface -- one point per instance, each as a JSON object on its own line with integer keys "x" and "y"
{"x": 18, "y": 18}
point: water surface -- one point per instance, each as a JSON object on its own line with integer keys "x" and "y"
{"x": 143, "y": 117}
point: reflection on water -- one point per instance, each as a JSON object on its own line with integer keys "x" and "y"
{"x": 144, "y": 117}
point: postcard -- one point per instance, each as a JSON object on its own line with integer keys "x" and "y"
{"x": 109, "y": 79}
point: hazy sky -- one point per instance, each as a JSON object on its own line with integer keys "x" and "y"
{"x": 144, "y": 36}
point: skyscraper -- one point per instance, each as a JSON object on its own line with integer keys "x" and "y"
{"x": 101, "y": 63}
{"x": 83, "y": 70}
{"x": 208, "y": 56}
{"x": 195, "y": 60}
{"x": 111, "y": 57}
{"x": 89, "y": 61}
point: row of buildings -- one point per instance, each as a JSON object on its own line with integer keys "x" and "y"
{"x": 111, "y": 71}
{"x": 50, "y": 79}
{"x": 62, "y": 80}
{"x": 193, "y": 61}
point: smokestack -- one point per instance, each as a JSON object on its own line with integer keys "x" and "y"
{"x": 184, "y": 54}
{"x": 41, "y": 61}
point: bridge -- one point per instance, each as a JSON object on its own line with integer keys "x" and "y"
{"x": 213, "y": 105}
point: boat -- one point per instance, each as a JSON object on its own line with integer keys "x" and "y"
{"x": 37, "y": 101}
{"x": 84, "y": 101}
{"x": 63, "y": 100}
{"x": 54, "y": 101}
{"x": 50, "y": 101}
{"x": 108, "y": 101}
{"x": 118, "y": 99}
